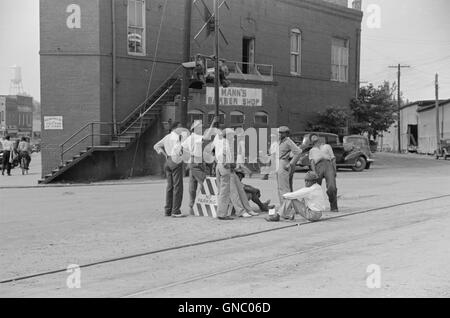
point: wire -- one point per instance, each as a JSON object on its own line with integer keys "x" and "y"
{"x": 156, "y": 49}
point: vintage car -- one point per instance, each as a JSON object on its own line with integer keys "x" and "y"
{"x": 444, "y": 150}
{"x": 361, "y": 143}
{"x": 347, "y": 155}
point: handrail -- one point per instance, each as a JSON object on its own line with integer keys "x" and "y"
{"x": 124, "y": 121}
{"x": 83, "y": 128}
{"x": 149, "y": 108}
{"x": 146, "y": 100}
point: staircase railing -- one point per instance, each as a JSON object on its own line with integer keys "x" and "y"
{"x": 144, "y": 104}
{"x": 90, "y": 128}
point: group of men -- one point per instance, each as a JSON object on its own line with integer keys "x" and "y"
{"x": 177, "y": 147}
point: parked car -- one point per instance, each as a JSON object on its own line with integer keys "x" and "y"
{"x": 347, "y": 155}
{"x": 361, "y": 143}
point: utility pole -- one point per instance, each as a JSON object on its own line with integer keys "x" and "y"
{"x": 399, "y": 132}
{"x": 216, "y": 60}
{"x": 186, "y": 57}
{"x": 438, "y": 141}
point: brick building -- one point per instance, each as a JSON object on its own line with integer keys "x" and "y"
{"x": 293, "y": 58}
{"x": 16, "y": 116}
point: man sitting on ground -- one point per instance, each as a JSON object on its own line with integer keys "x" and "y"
{"x": 253, "y": 194}
{"x": 310, "y": 202}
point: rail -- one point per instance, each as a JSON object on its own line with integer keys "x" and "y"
{"x": 143, "y": 109}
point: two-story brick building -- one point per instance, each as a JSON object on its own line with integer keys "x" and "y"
{"x": 100, "y": 60}
{"x": 16, "y": 116}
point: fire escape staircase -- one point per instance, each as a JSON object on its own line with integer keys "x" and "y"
{"x": 100, "y": 136}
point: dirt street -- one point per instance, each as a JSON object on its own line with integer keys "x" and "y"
{"x": 394, "y": 217}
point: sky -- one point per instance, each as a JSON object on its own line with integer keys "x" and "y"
{"x": 411, "y": 32}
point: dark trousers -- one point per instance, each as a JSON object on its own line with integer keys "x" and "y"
{"x": 197, "y": 175}
{"x": 326, "y": 170}
{"x": 254, "y": 195}
{"x": 6, "y": 165}
{"x": 26, "y": 164}
{"x": 174, "y": 194}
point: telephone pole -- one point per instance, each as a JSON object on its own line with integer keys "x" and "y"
{"x": 216, "y": 61}
{"x": 438, "y": 141}
{"x": 186, "y": 57}
{"x": 399, "y": 132}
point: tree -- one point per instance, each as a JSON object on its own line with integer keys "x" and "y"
{"x": 332, "y": 120}
{"x": 374, "y": 111}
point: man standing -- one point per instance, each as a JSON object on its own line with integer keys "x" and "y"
{"x": 170, "y": 147}
{"x": 7, "y": 148}
{"x": 288, "y": 156}
{"x": 193, "y": 146}
{"x": 323, "y": 163}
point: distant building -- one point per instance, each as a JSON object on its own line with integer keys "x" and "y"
{"x": 16, "y": 116}
{"x": 418, "y": 127}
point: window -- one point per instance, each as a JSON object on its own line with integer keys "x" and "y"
{"x": 211, "y": 116}
{"x": 237, "y": 118}
{"x": 339, "y": 60}
{"x": 261, "y": 118}
{"x": 194, "y": 115}
{"x": 136, "y": 27}
{"x": 296, "y": 50}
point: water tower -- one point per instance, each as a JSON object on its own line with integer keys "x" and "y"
{"x": 16, "y": 86}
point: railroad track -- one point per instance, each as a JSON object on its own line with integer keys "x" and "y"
{"x": 204, "y": 276}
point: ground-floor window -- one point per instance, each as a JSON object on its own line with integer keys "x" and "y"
{"x": 194, "y": 115}
{"x": 261, "y": 118}
{"x": 237, "y": 118}
{"x": 211, "y": 116}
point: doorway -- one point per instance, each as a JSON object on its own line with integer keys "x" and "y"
{"x": 248, "y": 55}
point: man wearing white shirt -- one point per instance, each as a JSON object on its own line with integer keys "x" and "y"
{"x": 170, "y": 146}
{"x": 7, "y": 145}
{"x": 310, "y": 202}
{"x": 193, "y": 146}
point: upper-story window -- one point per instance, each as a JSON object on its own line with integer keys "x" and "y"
{"x": 296, "y": 52}
{"x": 136, "y": 27}
{"x": 339, "y": 60}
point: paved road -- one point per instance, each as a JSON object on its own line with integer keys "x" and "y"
{"x": 50, "y": 228}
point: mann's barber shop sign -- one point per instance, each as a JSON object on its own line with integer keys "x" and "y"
{"x": 236, "y": 96}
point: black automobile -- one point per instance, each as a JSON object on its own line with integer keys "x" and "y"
{"x": 347, "y": 155}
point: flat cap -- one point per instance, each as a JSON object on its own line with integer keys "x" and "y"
{"x": 311, "y": 176}
{"x": 284, "y": 129}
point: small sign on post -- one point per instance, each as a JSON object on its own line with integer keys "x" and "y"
{"x": 53, "y": 122}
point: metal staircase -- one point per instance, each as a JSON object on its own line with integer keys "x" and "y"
{"x": 100, "y": 136}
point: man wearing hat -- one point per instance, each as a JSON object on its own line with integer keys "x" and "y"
{"x": 193, "y": 146}
{"x": 288, "y": 156}
{"x": 323, "y": 163}
{"x": 309, "y": 202}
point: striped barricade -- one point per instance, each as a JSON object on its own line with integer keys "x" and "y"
{"x": 206, "y": 200}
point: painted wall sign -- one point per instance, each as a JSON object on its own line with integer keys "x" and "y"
{"x": 236, "y": 96}
{"x": 53, "y": 122}
{"x": 74, "y": 19}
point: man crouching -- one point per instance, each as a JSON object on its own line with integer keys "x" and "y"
{"x": 309, "y": 202}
